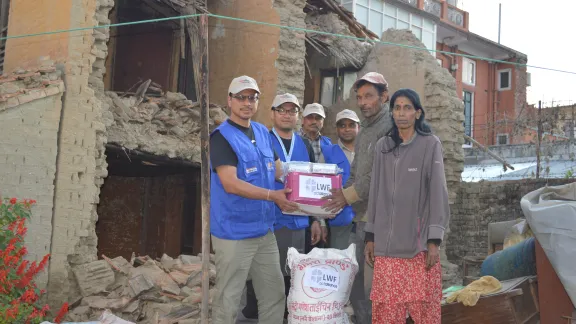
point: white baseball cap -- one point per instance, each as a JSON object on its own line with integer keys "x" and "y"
{"x": 242, "y": 83}
{"x": 284, "y": 98}
{"x": 314, "y": 108}
{"x": 347, "y": 114}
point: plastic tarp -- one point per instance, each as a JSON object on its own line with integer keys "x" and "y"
{"x": 551, "y": 214}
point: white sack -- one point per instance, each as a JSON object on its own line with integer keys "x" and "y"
{"x": 321, "y": 284}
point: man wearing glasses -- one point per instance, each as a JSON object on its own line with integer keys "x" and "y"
{"x": 290, "y": 230}
{"x": 244, "y": 167}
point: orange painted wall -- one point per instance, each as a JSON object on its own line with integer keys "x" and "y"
{"x": 486, "y": 98}
{"x": 239, "y": 48}
{"x": 28, "y": 17}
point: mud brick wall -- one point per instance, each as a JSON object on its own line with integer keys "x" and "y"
{"x": 81, "y": 166}
{"x": 480, "y": 203}
{"x": 28, "y": 148}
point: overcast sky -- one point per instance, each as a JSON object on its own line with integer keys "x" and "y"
{"x": 543, "y": 30}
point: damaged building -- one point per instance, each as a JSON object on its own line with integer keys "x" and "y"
{"x": 107, "y": 120}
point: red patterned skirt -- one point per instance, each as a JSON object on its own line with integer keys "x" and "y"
{"x": 405, "y": 286}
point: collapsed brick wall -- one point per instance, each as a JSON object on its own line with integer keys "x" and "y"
{"x": 30, "y": 107}
{"x": 81, "y": 165}
{"x": 91, "y": 120}
{"x": 480, "y": 203}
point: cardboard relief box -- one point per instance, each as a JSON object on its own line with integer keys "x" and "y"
{"x": 310, "y": 182}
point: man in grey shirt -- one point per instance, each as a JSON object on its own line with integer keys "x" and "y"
{"x": 372, "y": 99}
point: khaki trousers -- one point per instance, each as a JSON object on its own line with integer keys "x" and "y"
{"x": 235, "y": 260}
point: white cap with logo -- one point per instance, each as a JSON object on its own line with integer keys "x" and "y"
{"x": 284, "y": 98}
{"x": 314, "y": 108}
{"x": 347, "y": 114}
{"x": 242, "y": 83}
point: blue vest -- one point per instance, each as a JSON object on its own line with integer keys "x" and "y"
{"x": 325, "y": 143}
{"x": 299, "y": 153}
{"x": 334, "y": 155}
{"x": 233, "y": 217}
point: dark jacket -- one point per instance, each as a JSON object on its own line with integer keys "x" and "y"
{"x": 408, "y": 197}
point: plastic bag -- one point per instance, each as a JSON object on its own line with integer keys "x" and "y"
{"x": 518, "y": 233}
{"x": 321, "y": 285}
{"x": 551, "y": 213}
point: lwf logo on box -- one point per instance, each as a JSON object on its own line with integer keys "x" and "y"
{"x": 314, "y": 187}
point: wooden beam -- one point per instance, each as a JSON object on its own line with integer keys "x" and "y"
{"x": 205, "y": 176}
{"x": 163, "y": 160}
{"x": 485, "y": 149}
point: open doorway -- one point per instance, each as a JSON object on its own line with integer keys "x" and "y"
{"x": 148, "y": 205}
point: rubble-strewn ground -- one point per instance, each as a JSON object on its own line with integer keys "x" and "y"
{"x": 143, "y": 290}
{"x": 168, "y": 125}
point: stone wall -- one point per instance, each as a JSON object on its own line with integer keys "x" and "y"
{"x": 291, "y": 48}
{"x": 480, "y": 203}
{"x": 29, "y": 122}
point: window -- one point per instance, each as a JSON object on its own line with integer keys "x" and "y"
{"x": 468, "y": 71}
{"x": 4, "y": 9}
{"x": 379, "y": 16}
{"x": 502, "y": 139}
{"x": 336, "y": 86}
{"x": 468, "y": 98}
{"x": 505, "y": 79}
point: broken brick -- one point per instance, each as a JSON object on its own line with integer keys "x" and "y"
{"x": 93, "y": 277}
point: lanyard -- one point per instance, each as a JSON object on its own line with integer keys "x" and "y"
{"x": 288, "y": 155}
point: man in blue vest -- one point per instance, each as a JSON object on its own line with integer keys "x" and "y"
{"x": 290, "y": 230}
{"x": 342, "y": 154}
{"x": 244, "y": 168}
{"x": 312, "y": 124}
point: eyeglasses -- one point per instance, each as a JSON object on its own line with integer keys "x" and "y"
{"x": 241, "y": 98}
{"x": 282, "y": 111}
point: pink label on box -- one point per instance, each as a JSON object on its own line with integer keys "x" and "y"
{"x": 309, "y": 188}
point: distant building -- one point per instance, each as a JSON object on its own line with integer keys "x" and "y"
{"x": 493, "y": 93}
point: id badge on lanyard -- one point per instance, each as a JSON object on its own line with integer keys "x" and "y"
{"x": 287, "y": 155}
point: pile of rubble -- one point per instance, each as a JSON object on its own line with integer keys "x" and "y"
{"x": 166, "y": 124}
{"x": 143, "y": 290}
